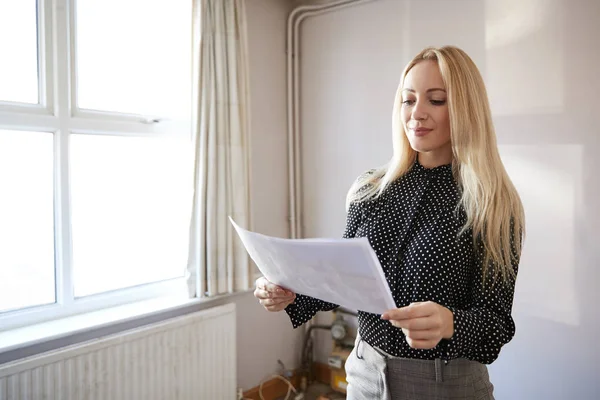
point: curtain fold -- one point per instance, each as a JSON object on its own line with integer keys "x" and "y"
{"x": 218, "y": 262}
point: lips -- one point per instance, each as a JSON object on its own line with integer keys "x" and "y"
{"x": 421, "y": 131}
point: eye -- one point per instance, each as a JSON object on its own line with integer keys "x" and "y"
{"x": 408, "y": 102}
{"x": 438, "y": 102}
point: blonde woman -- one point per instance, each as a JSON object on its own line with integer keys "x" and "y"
{"x": 446, "y": 224}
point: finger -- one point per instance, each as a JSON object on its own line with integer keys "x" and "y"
{"x": 258, "y": 293}
{"x": 271, "y": 287}
{"x": 270, "y": 295}
{"x": 261, "y": 294}
{"x": 417, "y": 324}
{"x": 261, "y": 282}
{"x": 275, "y": 290}
{"x": 432, "y": 334}
{"x": 264, "y": 284}
{"x": 284, "y": 294}
{"x": 421, "y": 344}
{"x": 277, "y": 307}
{"x": 274, "y": 302}
{"x": 415, "y": 310}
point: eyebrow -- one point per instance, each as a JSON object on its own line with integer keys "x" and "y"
{"x": 428, "y": 90}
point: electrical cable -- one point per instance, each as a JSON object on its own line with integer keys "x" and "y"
{"x": 291, "y": 387}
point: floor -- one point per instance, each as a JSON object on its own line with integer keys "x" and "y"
{"x": 317, "y": 389}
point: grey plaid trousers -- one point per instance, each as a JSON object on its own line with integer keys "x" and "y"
{"x": 373, "y": 375}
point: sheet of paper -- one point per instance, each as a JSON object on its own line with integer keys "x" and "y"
{"x": 345, "y": 272}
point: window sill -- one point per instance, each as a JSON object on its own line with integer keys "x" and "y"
{"x": 32, "y": 335}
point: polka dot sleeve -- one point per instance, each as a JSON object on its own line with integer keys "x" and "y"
{"x": 305, "y": 307}
{"x": 481, "y": 330}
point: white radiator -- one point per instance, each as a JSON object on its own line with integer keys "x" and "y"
{"x": 189, "y": 357}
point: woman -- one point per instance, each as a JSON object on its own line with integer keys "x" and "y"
{"x": 446, "y": 224}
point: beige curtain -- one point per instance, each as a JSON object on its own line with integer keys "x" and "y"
{"x": 218, "y": 263}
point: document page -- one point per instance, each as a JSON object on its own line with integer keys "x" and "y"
{"x": 345, "y": 272}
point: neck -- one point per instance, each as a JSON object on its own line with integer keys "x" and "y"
{"x": 435, "y": 158}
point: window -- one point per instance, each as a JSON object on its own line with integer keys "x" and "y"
{"x": 18, "y": 46}
{"x": 95, "y": 154}
{"x": 26, "y": 212}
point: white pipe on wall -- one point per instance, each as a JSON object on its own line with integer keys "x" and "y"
{"x": 293, "y": 107}
{"x": 293, "y": 103}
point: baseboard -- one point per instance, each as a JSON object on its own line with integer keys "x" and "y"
{"x": 272, "y": 389}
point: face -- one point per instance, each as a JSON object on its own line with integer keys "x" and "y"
{"x": 425, "y": 115}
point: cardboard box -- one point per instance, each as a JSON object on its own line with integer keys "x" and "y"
{"x": 338, "y": 375}
{"x": 338, "y": 380}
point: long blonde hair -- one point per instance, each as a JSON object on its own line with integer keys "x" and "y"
{"x": 492, "y": 205}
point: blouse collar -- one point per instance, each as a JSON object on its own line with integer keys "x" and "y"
{"x": 442, "y": 170}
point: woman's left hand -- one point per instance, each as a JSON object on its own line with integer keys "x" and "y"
{"x": 424, "y": 324}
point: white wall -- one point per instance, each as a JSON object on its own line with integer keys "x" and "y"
{"x": 540, "y": 60}
{"x": 264, "y": 337}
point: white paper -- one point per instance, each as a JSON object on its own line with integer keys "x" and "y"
{"x": 345, "y": 272}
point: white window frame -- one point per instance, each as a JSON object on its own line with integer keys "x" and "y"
{"x": 57, "y": 113}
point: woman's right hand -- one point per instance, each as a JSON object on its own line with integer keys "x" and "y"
{"x": 272, "y": 297}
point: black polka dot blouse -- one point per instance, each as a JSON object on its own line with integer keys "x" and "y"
{"x": 413, "y": 228}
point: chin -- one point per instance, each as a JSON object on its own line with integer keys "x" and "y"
{"x": 420, "y": 147}
{"x": 427, "y": 144}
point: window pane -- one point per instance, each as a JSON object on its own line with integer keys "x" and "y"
{"x": 142, "y": 64}
{"x": 26, "y": 220}
{"x": 18, "y": 47}
{"x": 131, "y": 202}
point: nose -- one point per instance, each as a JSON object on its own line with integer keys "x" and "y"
{"x": 418, "y": 112}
